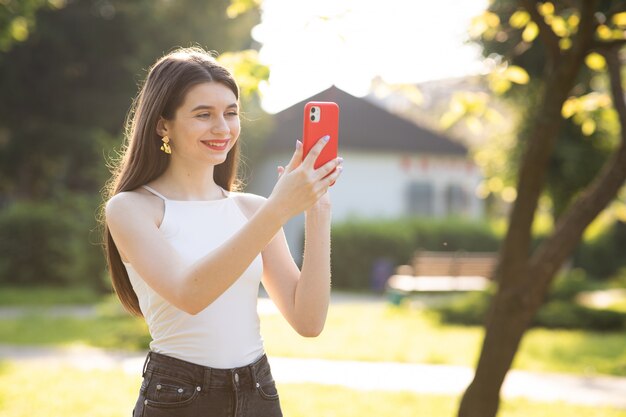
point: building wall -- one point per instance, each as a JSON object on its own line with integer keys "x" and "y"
{"x": 387, "y": 185}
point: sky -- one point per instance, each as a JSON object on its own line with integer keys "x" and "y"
{"x": 311, "y": 45}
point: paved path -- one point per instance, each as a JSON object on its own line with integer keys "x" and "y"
{"x": 386, "y": 376}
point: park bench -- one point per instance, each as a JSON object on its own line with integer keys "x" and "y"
{"x": 442, "y": 272}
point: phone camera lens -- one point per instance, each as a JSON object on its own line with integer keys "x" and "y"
{"x": 313, "y": 110}
{"x": 313, "y": 118}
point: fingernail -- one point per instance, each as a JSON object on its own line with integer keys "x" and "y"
{"x": 298, "y": 144}
{"x": 326, "y": 138}
{"x": 339, "y": 168}
{"x": 340, "y": 160}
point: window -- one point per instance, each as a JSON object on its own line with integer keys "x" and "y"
{"x": 456, "y": 200}
{"x": 419, "y": 199}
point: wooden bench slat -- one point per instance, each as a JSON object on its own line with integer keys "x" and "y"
{"x": 445, "y": 271}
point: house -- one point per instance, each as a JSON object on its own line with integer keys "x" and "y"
{"x": 392, "y": 167}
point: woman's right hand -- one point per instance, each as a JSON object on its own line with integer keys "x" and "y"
{"x": 300, "y": 185}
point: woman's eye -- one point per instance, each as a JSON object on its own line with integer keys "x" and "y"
{"x": 203, "y": 115}
{"x": 232, "y": 113}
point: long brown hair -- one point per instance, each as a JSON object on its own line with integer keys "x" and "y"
{"x": 141, "y": 160}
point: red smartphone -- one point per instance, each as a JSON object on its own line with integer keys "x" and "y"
{"x": 321, "y": 118}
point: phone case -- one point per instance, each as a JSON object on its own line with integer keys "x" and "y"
{"x": 321, "y": 118}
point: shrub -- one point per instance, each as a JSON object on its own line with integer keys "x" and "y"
{"x": 468, "y": 309}
{"x": 560, "y": 310}
{"x": 603, "y": 256}
{"x": 569, "y": 315}
{"x": 566, "y": 286}
{"x": 357, "y": 246}
{"x": 50, "y": 243}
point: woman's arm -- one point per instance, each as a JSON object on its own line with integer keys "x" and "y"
{"x": 193, "y": 287}
{"x": 313, "y": 290}
{"x": 301, "y": 296}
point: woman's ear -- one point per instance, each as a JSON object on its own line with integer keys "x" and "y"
{"x": 161, "y": 127}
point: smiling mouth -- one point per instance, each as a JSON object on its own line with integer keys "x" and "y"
{"x": 216, "y": 145}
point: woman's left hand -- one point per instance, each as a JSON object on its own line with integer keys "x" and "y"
{"x": 321, "y": 206}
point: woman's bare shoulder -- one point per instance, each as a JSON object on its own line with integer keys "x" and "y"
{"x": 127, "y": 203}
{"x": 248, "y": 203}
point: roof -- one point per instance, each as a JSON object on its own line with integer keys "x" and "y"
{"x": 363, "y": 126}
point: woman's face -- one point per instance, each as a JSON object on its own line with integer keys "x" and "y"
{"x": 206, "y": 126}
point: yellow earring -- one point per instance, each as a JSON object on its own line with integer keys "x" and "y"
{"x": 166, "y": 145}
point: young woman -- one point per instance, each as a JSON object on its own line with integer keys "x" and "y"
{"x": 187, "y": 252}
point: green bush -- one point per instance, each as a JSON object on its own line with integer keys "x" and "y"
{"x": 566, "y": 286}
{"x": 560, "y": 310}
{"x": 603, "y": 256}
{"x": 568, "y": 315}
{"x": 468, "y": 309}
{"x": 471, "y": 309}
{"x": 51, "y": 243}
{"x": 358, "y": 245}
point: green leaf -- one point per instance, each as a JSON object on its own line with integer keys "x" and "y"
{"x": 604, "y": 32}
{"x": 588, "y": 127}
{"x": 565, "y": 43}
{"x": 499, "y": 85}
{"x": 238, "y": 7}
{"x": 570, "y": 107}
{"x": 19, "y": 29}
{"x": 516, "y": 74}
{"x": 595, "y": 61}
{"x": 246, "y": 68}
{"x": 619, "y": 19}
{"x": 519, "y": 19}
{"x": 559, "y": 26}
{"x": 546, "y": 9}
{"x": 531, "y": 32}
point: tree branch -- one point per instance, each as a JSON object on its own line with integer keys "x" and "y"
{"x": 606, "y": 45}
{"x": 558, "y": 83}
{"x": 548, "y": 258}
{"x": 550, "y": 39}
{"x": 583, "y": 42}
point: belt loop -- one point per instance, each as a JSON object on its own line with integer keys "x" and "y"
{"x": 255, "y": 383}
{"x": 208, "y": 374}
{"x": 145, "y": 364}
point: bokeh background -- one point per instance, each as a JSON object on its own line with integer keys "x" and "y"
{"x": 439, "y": 105}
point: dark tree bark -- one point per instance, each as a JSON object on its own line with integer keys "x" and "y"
{"x": 524, "y": 277}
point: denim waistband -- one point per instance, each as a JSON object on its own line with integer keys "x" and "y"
{"x": 207, "y": 377}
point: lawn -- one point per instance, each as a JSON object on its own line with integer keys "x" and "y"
{"x": 361, "y": 331}
{"x": 46, "y": 296}
{"x": 49, "y": 391}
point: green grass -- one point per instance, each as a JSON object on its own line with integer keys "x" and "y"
{"x": 384, "y": 333}
{"x": 372, "y": 332}
{"x": 619, "y": 305}
{"x": 46, "y": 296}
{"x": 107, "y": 332}
{"x": 367, "y": 332}
{"x": 51, "y": 391}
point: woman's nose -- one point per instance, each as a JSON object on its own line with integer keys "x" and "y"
{"x": 220, "y": 126}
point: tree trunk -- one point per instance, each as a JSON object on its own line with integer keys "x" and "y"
{"x": 507, "y": 324}
{"x": 524, "y": 279}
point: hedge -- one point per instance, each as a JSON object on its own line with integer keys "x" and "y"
{"x": 361, "y": 247}
{"x": 358, "y": 247}
{"x": 560, "y": 310}
{"x": 51, "y": 243}
{"x": 603, "y": 256}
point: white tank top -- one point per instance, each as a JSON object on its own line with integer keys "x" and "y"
{"x": 226, "y": 334}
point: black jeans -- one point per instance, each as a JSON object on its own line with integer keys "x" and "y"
{"x": 173, "y": 387}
